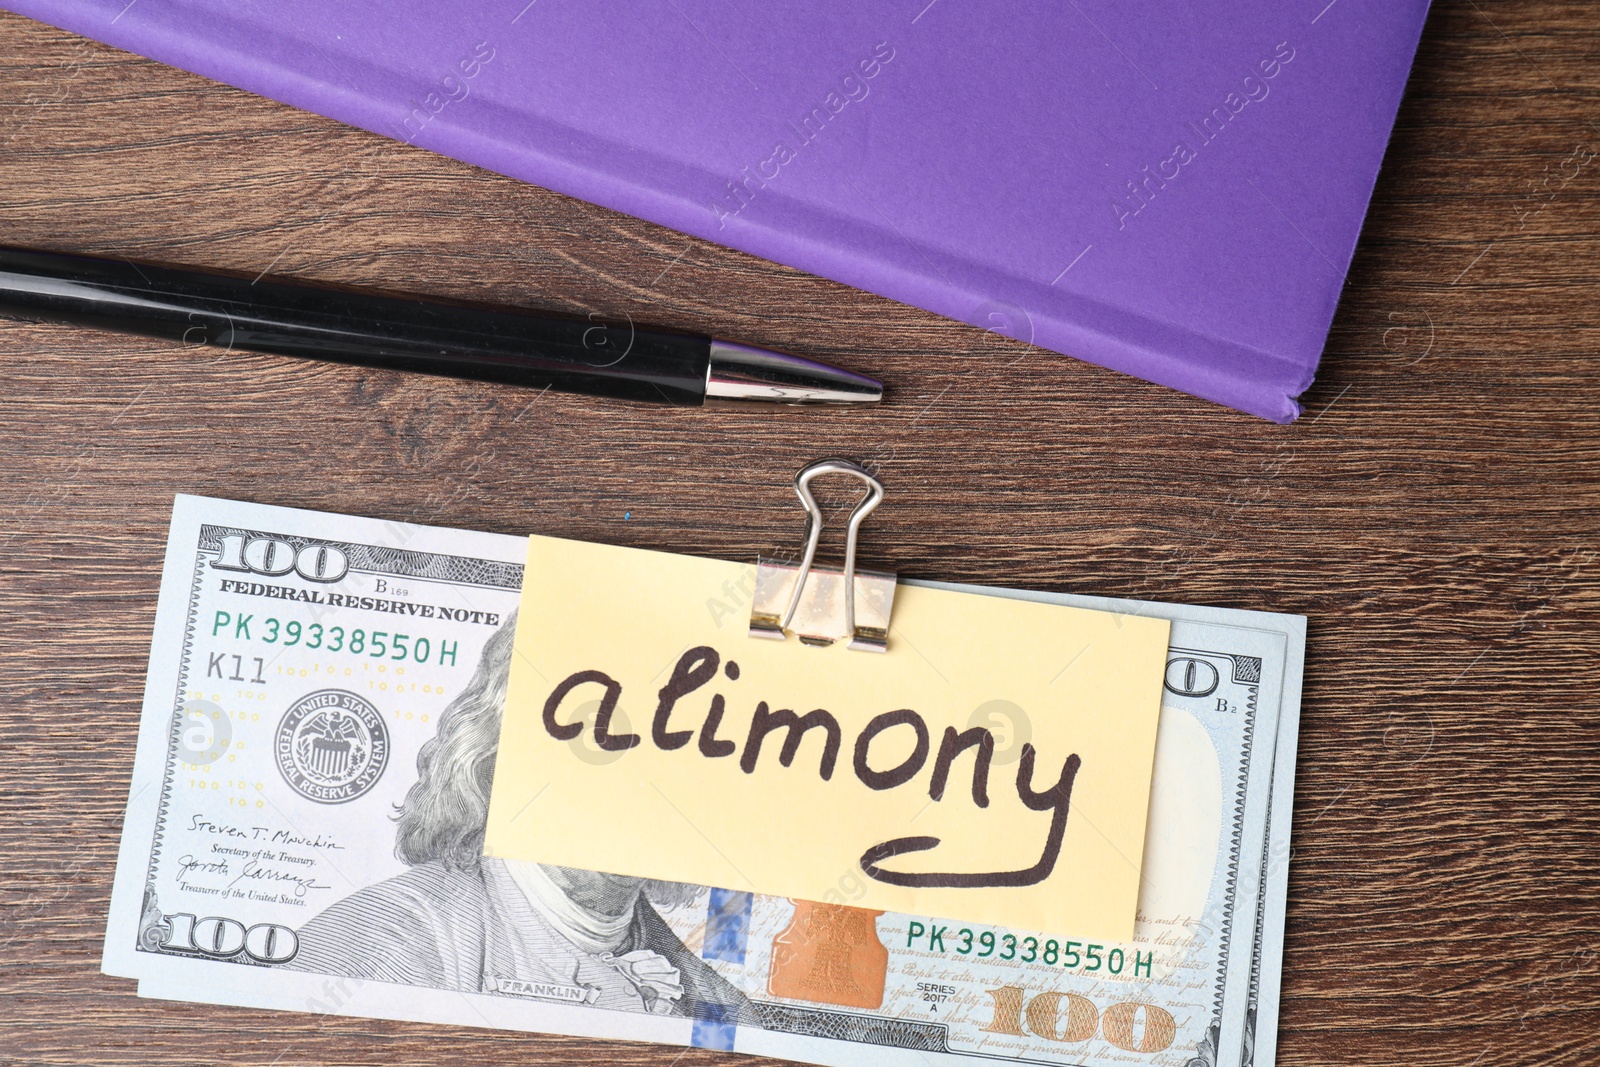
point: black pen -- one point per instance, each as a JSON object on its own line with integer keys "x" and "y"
{"x": 407, "y": 333}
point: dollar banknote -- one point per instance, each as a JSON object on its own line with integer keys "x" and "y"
{"x": 305, "y": 817}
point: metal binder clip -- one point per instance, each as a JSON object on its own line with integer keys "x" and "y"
{"x": 806, "y": 599}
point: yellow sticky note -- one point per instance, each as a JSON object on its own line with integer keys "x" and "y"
{"x": 993, "y": 766}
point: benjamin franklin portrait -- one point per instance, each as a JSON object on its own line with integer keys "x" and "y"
{"x": 459, "y": 920}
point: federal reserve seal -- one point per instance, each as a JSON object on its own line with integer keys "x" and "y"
{"x": 331, "y": 746}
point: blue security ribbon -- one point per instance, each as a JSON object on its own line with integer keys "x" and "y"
{"x": 714, "y": 1026}
{"x": 727, "y": 925}
{"x": 727, "y": 934}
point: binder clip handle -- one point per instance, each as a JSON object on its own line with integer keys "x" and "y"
{"x": 807, "y": 599}
{"x": 802, "y": 488}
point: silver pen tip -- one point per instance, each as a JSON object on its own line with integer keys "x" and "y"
{"x": 740, "y": 372}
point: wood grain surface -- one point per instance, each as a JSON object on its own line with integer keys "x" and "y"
{"x": 1435, "y": 513}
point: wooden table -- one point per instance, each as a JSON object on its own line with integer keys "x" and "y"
{"x": 1435, "y": 513}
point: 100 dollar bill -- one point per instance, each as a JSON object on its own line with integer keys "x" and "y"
{"x": 311, "y": 675}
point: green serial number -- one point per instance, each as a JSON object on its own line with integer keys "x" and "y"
{"x": 1071, "y": 954}
{"x": 374, "y": 644}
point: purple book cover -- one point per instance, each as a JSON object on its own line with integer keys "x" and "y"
{"x": 1171, "y": 190}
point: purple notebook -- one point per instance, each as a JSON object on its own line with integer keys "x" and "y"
{"x": 1173, "y": 193}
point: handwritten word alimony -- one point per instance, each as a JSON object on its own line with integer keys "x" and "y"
{"x": 697, "y": 667}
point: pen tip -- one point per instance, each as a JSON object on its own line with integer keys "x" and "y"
{"x": 740, "y": 372}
